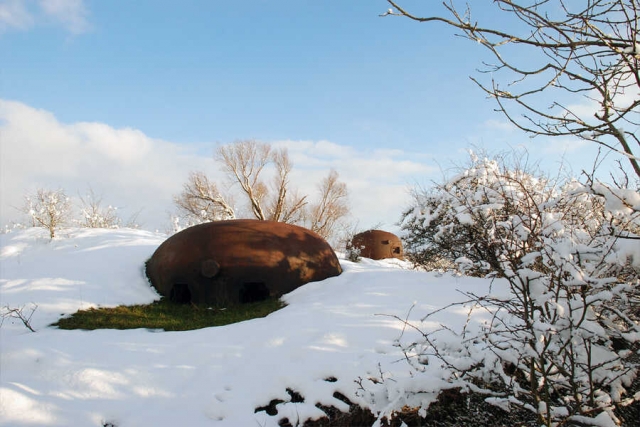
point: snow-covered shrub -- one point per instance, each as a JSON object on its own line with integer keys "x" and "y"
{"x": 8, "y": 228}
{"x": 462, "y": 220}
{"x": 179, "y": 223}
{"x": 353, "y": 253}
{"x": 50, "y": 209}
{"x": 564, "y": 342}
{"x": 94, "y": 215}
{"x": 54, "y": 209}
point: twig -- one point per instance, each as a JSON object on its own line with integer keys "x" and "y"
{"x": 18, "y": 313}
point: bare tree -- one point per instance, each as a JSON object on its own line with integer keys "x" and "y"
{"x": 244, "y": 161}
{"x": 567, "y": 53}
{"x": 50, "y": 209}
{"x": 285, "y": 205}
{"x": 332, "y": 206}
{"x": 200, "y": 200}
{"x": 263, "y": 174}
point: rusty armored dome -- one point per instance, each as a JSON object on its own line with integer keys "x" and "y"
{"x": 377, "y": 244}
{"x": 238, "y": 261}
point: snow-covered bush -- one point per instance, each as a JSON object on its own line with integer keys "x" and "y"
{"x": 564, "y": 342}
{"x": 463, "y": 219}
{"x": 94, "y": 215}
{"x": 50, "y": 209}
{"x": 53, "y": 209}
{"x": 353, "y": 253}
{"x": 179, "y": 223}
{"x": 8, "y": 228}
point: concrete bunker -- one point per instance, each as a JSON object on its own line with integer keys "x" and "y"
{"x": 377, "y": 244}
{"x": 239, "y": 261}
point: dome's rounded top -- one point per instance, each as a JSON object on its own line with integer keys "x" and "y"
{"x": 241, "y": 260}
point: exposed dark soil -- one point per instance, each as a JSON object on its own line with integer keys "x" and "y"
{"x": 452, "y": 409}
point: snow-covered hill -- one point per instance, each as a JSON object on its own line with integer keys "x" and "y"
{"x": 334, "y": 335}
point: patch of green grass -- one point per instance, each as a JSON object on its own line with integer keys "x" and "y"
{"x": 166, "y": 315}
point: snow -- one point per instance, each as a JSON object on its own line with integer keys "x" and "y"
{"x": 339, "y": 334}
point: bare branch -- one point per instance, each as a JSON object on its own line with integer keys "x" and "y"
{"x": 245, "y": 164}
{"x": 7, "y": 312}
{"x": 332, "y": 206}
{"x": 200, "y": 200}
{"x": 583, "y": 57}
{"x": 244, "y": 161}
{"x": 285, "y": 204}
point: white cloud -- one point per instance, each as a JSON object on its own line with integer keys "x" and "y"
{"x": 25, "y": 14}
{"x": 132, "y": 145}
{"x": 560, "y": 145}
{"x": 72, "y": 14}
{"x": 134, "y": 171}
{"x": 315, "y": 152}
{"x": 391, "y": 164}
{"x": 127, "y": 167}
{"x": 500, "y": 125}
{"x": 14, "y": 14}
{"x": 378, "y": 180}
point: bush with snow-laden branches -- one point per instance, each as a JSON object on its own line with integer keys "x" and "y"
{"x": 54, "y": 210}
{"x": 50, "y": 209}
{"x": 94, "y": 215}
{"x": 564, "y": 342}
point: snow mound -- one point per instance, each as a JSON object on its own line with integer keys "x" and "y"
{"x": 330, "y": 337}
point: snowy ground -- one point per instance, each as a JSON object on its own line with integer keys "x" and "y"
{"x": 338, "y": 330}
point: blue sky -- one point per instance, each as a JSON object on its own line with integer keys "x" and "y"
{"x": 195, "y": 71}
{"x": 314, "y": 75}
